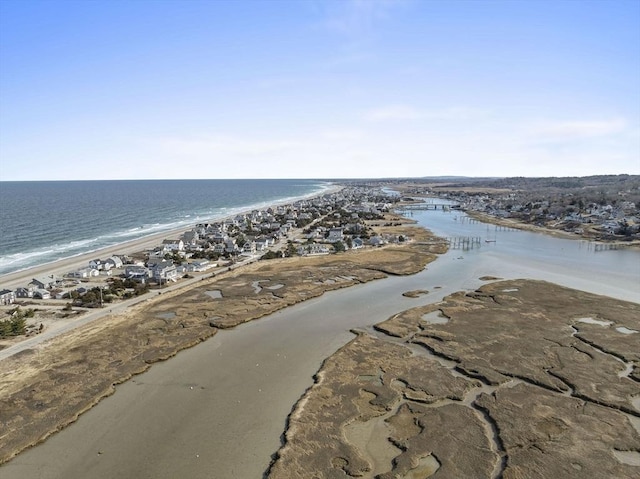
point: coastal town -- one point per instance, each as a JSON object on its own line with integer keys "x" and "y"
{"x": 328, "y": 224}
{"x": 600, "y": 208}
{"x": 424, "y": 364}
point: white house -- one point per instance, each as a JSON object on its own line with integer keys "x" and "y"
{"x": 173, "y": 245}
{"x": 42, "y": 294}
{"x": 313, "y": 250}
{"x": 85, "y": 273}
{"x": 7, "y": 296}
{"x": 114, "y": 262}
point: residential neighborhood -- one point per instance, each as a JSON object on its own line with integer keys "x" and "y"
{"x": 331, "y": 223}
{"x": 600, "y": 208}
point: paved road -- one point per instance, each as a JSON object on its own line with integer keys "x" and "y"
{"x": 96, "y": 314}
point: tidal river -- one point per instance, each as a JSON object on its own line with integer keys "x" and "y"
{"x": 217, "y": 410}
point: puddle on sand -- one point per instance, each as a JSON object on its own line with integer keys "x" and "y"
{"x": 510, "y": 290}
{"x": 594, "y": 321}
{"x": 166, "y": 315}
{"x": 371, "y": 438}
{"x": 623, "y": 330}
{"x": 275, "y": 286}
{"x": 214, "y": 294}
{"x": 632, "y": 458}
{"x": 427, "y": 467}
{"x": 435, "y": 317}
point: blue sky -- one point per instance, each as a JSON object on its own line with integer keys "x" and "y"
{"x": 318, "y": 89}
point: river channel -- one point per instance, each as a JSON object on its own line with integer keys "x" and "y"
{"x": 218, "y": 410}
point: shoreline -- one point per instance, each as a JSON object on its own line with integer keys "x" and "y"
{"x": 62, "y": 266}
{"x": 511, "y": 223}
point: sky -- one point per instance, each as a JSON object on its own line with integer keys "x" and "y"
{"x": 145, "y": 89}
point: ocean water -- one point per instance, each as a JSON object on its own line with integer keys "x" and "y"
{"x": 41, "y": 222}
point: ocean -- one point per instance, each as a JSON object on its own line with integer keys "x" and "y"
{"x": 44, "y": 221}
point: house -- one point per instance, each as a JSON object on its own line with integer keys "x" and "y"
{"x": 218, "y": 248}
{"x": 114, "y": 262}
{"x": 25, "y": 292}
{"x": 137, "y": 273}
{"x": 96, "y": 264}
{"x": 173, "y": 245}
{"x": 164, "y": 271}
{"x": 44, "y": 282}
{"x": 249, "y": 247}
{"x": 376, "y": 241}
{"x": 41, "y": 294}
{"x": 84, "y": 273}
{"x": 191, "y": 237}
{"x": 200, "y": 265}
{"x": 7, "y": 296}
{"x": 230, "y": 246}
{"x": 313, "y": 250}
{"x": 335, "y": 235}
{"x": 357, "y": 243}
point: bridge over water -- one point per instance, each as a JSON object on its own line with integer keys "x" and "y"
{"x": 428, "y": 206}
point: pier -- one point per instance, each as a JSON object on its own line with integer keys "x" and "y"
{"x": 596, "y": 247}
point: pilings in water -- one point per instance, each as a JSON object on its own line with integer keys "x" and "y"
{"x": 596, "y": 247}
{"x": 464, "y": 242}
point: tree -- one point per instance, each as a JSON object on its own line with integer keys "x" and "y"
{"x": 290, "y": 250}
{"x": 339, "y": 247}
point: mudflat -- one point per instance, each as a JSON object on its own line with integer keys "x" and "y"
{"x": 518, "y": 379}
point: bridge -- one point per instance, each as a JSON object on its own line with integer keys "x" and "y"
{"x": 428, "y": 206}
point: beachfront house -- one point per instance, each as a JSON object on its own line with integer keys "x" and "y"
{"x": 96, "y": 264}
{"x": 85, "y": 273}
{"x": 7, "y": 296}
{"x": 190, "y": 238}
{"x": 114, "y": 262}
{"x": 41, "y": 294}
{"x": 44, "y": 282}
{"x": 172, "y": 245}
{"x": 25, "y": 292}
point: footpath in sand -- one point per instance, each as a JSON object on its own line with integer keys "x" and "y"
{"x": 517, "y": 379}
{"x": 45, "y": 388}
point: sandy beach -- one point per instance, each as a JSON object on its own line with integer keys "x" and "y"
{"x": 63, "y": 266}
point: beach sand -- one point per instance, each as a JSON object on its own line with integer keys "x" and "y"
{"x": 64, "y": 266}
